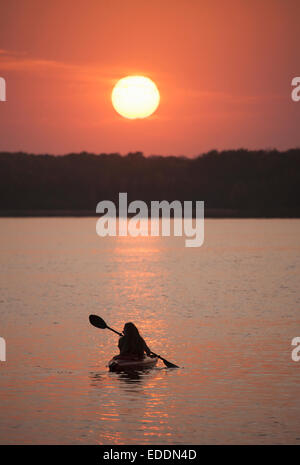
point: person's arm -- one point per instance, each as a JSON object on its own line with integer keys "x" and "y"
{"x": 146, "y": 348}
{"x": 121, "y": 343}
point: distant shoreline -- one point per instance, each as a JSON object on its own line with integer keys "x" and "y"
{"x": 232, "y": 183}
{"x": 208, "y": 213}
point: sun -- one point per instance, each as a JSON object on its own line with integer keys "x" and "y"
{"x": 135, "y": 97}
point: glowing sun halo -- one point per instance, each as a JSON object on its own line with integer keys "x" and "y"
{"x": 135, "y": 97}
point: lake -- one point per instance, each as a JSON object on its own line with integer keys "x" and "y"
{"x": 225, "y": 313}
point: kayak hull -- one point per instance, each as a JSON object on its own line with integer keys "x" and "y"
{"x": 120, "y": 364}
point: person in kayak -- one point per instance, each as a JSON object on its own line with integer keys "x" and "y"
{"x": 132, "y": 345}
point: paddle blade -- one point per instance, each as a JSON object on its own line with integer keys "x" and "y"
{"x": 97, "y": 321}
{"x": 166, "y": 362}
{"x": 169, "y": 364}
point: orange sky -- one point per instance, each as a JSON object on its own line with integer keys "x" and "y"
{"x": 223, "y": 68}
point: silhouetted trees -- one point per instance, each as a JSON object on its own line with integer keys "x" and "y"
{"x": 253, "y": 182}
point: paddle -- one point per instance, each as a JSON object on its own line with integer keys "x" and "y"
{"x": 98, "y": 322}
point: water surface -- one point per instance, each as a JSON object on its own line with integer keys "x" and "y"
{"x": 225, "y": 312}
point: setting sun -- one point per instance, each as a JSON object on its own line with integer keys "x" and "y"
{"x": 135, "y": 97}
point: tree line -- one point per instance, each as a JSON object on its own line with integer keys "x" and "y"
{"x": 260, "y": 183}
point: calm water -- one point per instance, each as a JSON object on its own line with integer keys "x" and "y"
{"x": 226, "y": 313}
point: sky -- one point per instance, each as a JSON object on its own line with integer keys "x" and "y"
{"x": 223, "y": 69}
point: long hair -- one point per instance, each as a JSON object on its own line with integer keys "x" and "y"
{"x": 134, "y": 341}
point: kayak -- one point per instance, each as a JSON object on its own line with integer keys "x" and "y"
{"x": 127, "y": 364}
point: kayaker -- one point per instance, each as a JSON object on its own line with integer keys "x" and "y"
{"x": 132, "y": 344}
